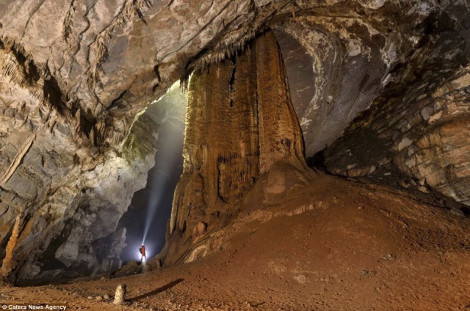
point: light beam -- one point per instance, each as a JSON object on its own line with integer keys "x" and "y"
{"x": 168, "y": 155}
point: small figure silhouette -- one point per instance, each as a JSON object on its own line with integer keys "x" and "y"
{"x": 143, "y": 257}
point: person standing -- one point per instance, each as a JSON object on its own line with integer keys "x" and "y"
{"x": 143, "y": 256}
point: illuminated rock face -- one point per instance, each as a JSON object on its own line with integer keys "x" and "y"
{"x": 71, "y": 192}
{"x": 240, "y": 121}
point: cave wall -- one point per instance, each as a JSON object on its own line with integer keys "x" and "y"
{"x": 416, "y": 130}
{"x": 73, "y": 196}
{"x": 424, "y": 136}
{"x": 339, "y": 61}
{"x": 240, "y": 122}
{"x": 343, "y": 64}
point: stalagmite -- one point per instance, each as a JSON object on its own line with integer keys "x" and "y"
{"x": 240, "y": 121}
{"x": 8, "y": 263}
{"x": 120, "y": 294}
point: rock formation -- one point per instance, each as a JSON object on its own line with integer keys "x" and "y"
{"x": 8, "y": 263}
{"x": 76, "y": 77}
{"x": 240, "y": 122}
{"x": 423, "y": 136}
{"x": 70, "y": 189}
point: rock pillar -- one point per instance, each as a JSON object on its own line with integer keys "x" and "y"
{"x": 240, "y": 121}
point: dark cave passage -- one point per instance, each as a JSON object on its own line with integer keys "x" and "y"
{"x": 150, "y": 209}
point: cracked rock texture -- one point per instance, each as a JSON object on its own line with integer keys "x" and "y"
{"x": 77, "y": 75}
{"x": 424, "y": 136}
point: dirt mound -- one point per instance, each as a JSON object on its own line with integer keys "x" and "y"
{"x": 333, "y": 244}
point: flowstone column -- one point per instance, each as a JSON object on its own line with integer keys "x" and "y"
{"x": 240, "y": 121}
{"x": 279, "y": 131}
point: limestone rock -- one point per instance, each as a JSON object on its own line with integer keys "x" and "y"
{"x": 272, "y": 187}
{"x": 199, "y": 230}
{"x": 57, "y": 174}
{"x": 433, "y": 149}
{"x": 240, "y": 122}
{"x": 120, "y": 294}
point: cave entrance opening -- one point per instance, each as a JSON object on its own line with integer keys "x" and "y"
{"x": 147, "y": 217}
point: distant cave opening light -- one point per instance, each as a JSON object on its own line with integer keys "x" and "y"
{"x": 150, "y": 209}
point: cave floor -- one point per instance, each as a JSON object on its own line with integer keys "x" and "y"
{"x": 334, "y": 244}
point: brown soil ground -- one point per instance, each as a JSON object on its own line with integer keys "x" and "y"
{"x": 332, "y": 245}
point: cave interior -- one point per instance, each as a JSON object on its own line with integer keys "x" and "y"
{"x": 186, "y": 124}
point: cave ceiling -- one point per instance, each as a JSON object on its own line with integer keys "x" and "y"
{"x": 109, "y": 59}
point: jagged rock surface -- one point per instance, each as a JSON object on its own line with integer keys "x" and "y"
{"x": 424, "y": 136}
{"x": 73, "y": 194}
